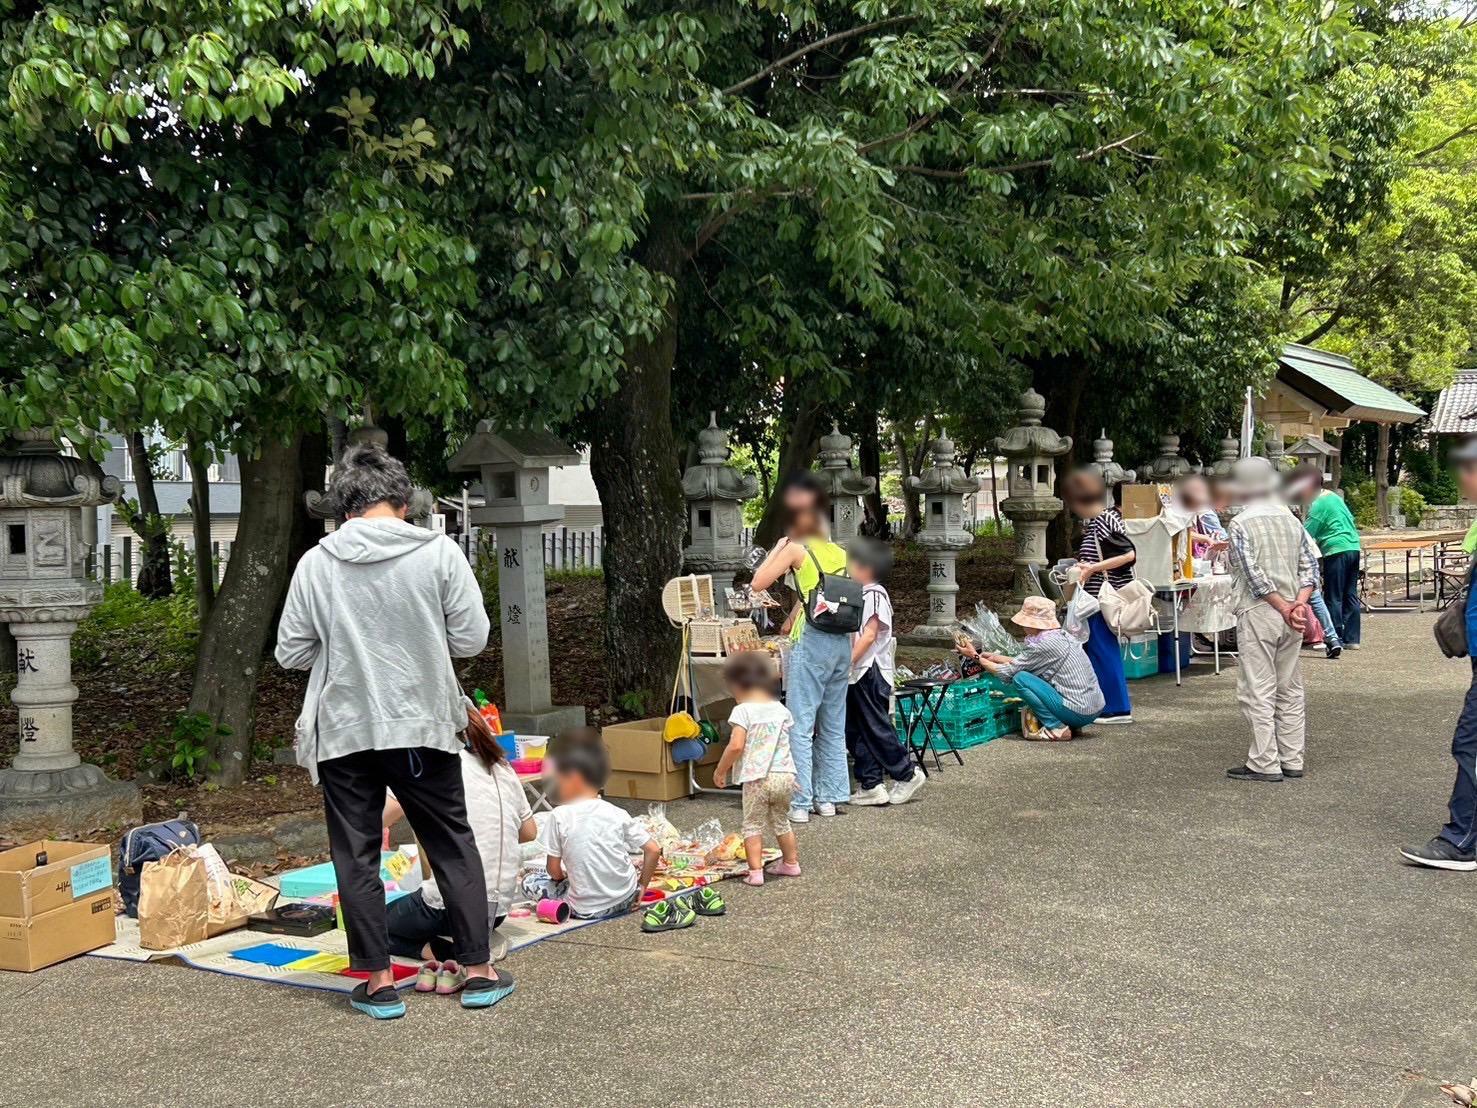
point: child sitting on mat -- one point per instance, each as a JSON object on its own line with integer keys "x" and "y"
{"x": 759, "y": 745}
{"x": 590, "y": 841}
{"x": 875, "y": 749}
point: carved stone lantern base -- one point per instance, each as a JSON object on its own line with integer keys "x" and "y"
{"x": 52, "y": 803}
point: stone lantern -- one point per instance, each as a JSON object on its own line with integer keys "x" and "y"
{"x": 1031, "y": 451}
{"x": 46, "y": 498}
{"x": 715, "y": 493}
{"x": 1169, "y": 466}
{"x": 845, "y": 485}
{"x": 514, "y": 466}
{"x": 1229, "y": 453}
{"x": 944, "y": 486}
{"x": 1105, "y": 467}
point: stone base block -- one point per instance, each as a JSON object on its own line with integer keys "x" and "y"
{"x": 549, "y": 722}
{"x": 65, "y": 802}
{"x": 928, "y": 634}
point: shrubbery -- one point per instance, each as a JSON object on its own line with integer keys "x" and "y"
{"x": 129, "y": 629}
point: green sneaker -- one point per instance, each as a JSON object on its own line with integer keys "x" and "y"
{"x": 671, "y": 914}
{"x": 707, "y": 902}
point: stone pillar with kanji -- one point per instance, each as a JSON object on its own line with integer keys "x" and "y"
{"x": 1031, "y": 451}
{"x": 944, "y": 486}
{"x": 845, "y": 485}
{"x": 514, "y": 466}
{"x": 715, "y": 493}
{"x": 45, "y": 496}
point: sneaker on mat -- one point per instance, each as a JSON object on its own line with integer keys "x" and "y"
{"x": 825, "y": 808}
{"x": 1440, "y": 854}
{"x": 425, "y": 980}
{"x": 484, "y": 992}
{"x": 671, "y": 914}
{"x": 874, "y": 797}
{"x": 799, "y": 815}
{"x": 382, "y": 1004}
{"x": 1246, "y": 773}
{"x": 904, "y": 791}
{"x": 499, "y": 947}
{"x": 450, "y": 978}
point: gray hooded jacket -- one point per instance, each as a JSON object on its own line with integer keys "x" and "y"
{"x": 377, "y": 610}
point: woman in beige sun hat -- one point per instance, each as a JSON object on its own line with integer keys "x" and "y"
{"x": 1051, "y": 673}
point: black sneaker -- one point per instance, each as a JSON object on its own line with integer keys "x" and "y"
{"x": 382, "y": 1004}
{"x": 1242, "y": 773}
{"x": 484, "y": 992}
{"x": 1333, "y": 652}
{"x": 1293, "y": 773}
{"x": 1440, "y": 854}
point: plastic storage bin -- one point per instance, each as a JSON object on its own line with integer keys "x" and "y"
{"x": 1140, "y": 656}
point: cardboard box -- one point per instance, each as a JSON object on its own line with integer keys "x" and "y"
{"x": 72, "y": 871}
{"x": 1139, "y": 501}
{"x": 62, "y": 933}
{"x": 641, "y": 766}
{"x": 58, "y": 910}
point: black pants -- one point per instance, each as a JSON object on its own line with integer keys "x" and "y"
{"x": 1461, "y": 829}
{"x": 413, "y": 924}
{"x": 428, "y": 784}
{"x": 870, "y": 736}
{"x": 1341, "y": 594}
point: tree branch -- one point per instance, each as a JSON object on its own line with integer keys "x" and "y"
{"x": 819, "y": 44}
{"x": 1323, "y": 328}
{"x": 1040, "y": 163}
{"x": 1461, "y": 132}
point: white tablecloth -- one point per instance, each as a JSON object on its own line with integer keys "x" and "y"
{"x": 1208, "y": 608}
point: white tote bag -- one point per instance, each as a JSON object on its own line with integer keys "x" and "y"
{"x": 1129, "y": 610}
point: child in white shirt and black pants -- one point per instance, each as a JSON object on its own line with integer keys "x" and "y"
{"x": 876, "y": 751}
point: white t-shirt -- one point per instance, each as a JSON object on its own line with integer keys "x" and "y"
{"x": 496, "y": 808}
{"x": 876, "y": 602}
{"x": 594, "y": 840}
{"x": 766, "y": 727}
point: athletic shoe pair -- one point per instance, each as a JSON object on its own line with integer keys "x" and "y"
{"x": 677, "y": 912}
{"x": 900, "y": 793}
{"x": 445, "y": 978}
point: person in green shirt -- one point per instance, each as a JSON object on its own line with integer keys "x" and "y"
{"x": 1332, "y": 527}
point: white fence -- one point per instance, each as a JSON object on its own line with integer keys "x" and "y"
{"x": 563, "y": 549}
{"x": 121, "y": 561}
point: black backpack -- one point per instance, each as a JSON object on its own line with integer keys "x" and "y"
{"x": 1451, "y": 624}
{"x": 834, "y": 606}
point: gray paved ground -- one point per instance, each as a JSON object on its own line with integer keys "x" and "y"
{"x": 1107, "y": 922}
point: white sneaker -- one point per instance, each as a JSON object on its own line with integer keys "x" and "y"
{"x": 825, "y": 808}
{"x": 799, "y": 815}
{"x": 499, "y": 947}
{"x": 1108, "y": 721}
{"x": 874, "y": 797}
{"x": 903, "y": 791}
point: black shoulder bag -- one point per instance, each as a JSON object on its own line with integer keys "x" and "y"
{"x": 1451, "y": 624}
{"x": 835, "y": 604}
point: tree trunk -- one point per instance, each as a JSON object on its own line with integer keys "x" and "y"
{"x": 200, "y": 527}
{"x": 633, "y": 462}
{"x": 869, "y": 461}
{"x": 1063, "y": 385}
{"x": 1382, "y": 473}
{"x": 912, "y": 516}
{"x": 152, "y": 529}
{"x": 801, "y": 415}
{"x": 1337, "y": 471}
{"x": 232, "y": 644}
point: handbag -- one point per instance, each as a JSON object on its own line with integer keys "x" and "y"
{"x": 1451, "y": 625}
{"x": 835, "y": 604}
{"x": 680, "y": 723}
{"x": 1129, "y": 610}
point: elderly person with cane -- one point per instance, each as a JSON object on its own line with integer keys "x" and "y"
{"x": 377, "y": 610}
{"x": 1274, "y": 567}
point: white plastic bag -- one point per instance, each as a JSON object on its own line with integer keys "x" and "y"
{"x": 1080, "y": 608}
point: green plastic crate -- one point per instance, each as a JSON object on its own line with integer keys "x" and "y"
{"x": 1140, "y": 656}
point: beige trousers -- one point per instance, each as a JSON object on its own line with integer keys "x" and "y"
{"x": 1269, "y": 685}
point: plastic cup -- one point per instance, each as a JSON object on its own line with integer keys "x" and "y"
{"x": 552, "y": 911}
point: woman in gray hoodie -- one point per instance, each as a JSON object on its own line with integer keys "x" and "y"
{"x": 376, "y": 611}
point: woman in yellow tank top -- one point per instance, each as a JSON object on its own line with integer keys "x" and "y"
{"x": 820, "y": 663}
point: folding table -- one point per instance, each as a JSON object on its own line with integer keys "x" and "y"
{"x": 921, "y": 700}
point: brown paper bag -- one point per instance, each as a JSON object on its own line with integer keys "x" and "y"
{"x": 173, "y": 901}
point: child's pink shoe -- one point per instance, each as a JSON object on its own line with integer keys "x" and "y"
{"x": 425, "y": 981}
{"x": 451, "y": 979}
{"x": 783, "y": 869}
{"x": 754, "y": 877}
